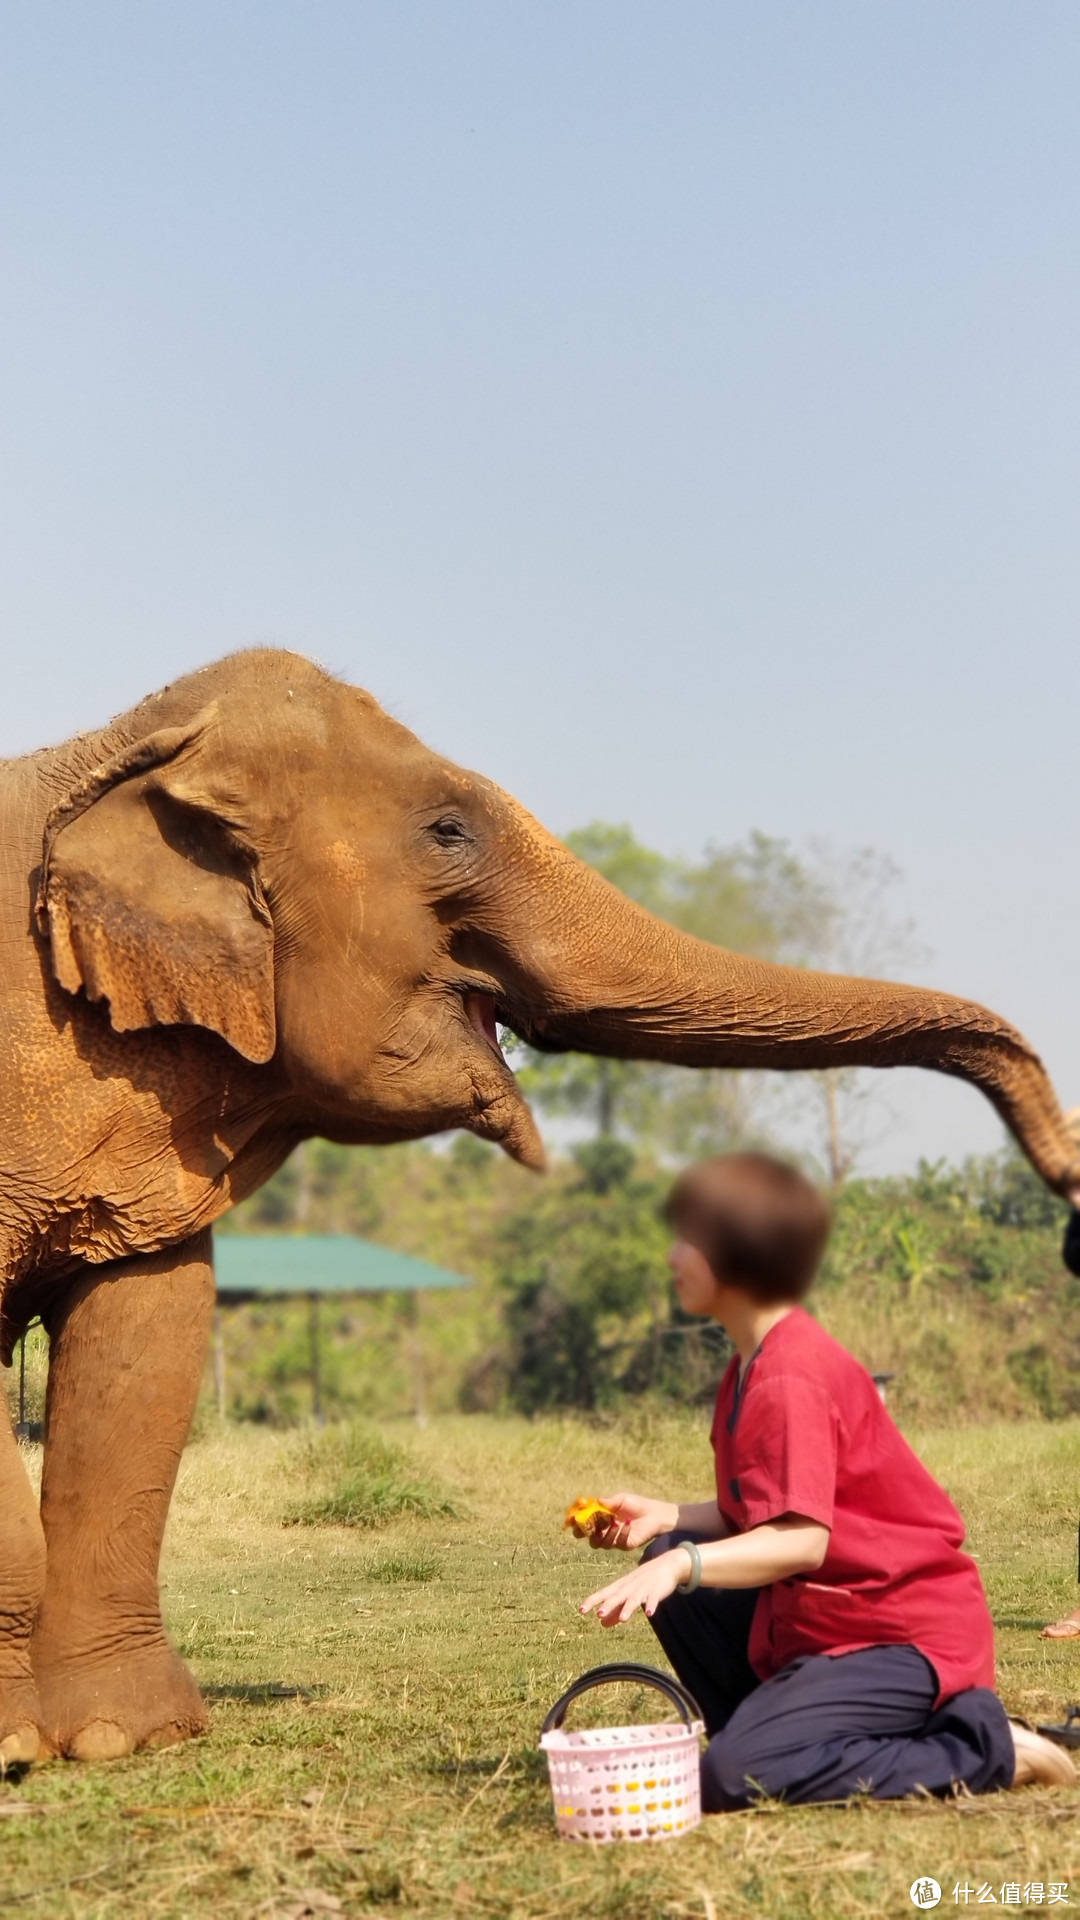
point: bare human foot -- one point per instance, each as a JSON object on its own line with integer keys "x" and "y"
{"x": 1039, "y": 1763}
{"x": 1067, "y": 1629}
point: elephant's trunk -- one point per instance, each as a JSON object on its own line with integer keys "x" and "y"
{"x": 601, "y": 975}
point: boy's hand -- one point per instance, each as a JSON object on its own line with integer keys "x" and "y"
{"x": 645, "y": 1587}
{"x": 637, "y": 1520}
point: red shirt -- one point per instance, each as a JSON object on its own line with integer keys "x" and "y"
{"x": 807, "y": 1433}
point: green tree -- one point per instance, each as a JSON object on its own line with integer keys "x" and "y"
{"x": 1009, "y": 1192}
{"x": 583, "y": 1281}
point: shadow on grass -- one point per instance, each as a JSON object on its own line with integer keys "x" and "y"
{"x": 261, "y": 1692}
{"x": 1015, "y": 1620}
{"x": 527, "y": 1764}
{"x": 523, "y": 1802}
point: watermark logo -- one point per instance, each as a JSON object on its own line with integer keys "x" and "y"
{"x": 925, "y": 1892}
{"x": 1011, "y": 1893}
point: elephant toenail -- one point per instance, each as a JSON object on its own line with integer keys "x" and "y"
{"x": 99, "y": 1740}
{"x": 20, "y": 1747}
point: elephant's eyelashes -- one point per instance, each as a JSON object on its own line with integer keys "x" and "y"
{"x": 451, "y": 833}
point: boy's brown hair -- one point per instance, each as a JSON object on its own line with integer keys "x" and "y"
{"x": 761, "y": 1225}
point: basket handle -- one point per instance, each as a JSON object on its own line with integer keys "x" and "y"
{"x": 665, "y": 1683}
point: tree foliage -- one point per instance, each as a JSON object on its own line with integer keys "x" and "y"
{"x": 586, "y": 1296}
{"x": 950, "y": 1278}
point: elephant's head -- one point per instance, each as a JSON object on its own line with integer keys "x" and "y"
{"x": 265, "y": 854}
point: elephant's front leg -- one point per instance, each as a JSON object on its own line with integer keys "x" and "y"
{"x": 127, "y": 1351}
{"x": 22, "y": 1582}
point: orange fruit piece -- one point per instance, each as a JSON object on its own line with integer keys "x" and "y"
{"x": 587, "y": 1517}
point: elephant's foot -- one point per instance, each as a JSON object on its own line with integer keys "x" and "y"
{"x": 104, "y": 1708}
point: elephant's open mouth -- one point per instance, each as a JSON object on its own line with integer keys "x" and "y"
{"x": 481, "y": 1015}
{"x": 497, "y": 1111}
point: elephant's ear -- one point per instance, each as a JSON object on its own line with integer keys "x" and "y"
{"x": 150, "y": 896}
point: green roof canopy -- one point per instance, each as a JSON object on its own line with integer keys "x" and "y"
{"x": 254, "y": 1263}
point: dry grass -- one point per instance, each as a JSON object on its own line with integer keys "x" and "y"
{"x": 404, "y": 1777}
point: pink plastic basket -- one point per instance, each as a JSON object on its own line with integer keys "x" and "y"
{"x": 625, "y": 1783}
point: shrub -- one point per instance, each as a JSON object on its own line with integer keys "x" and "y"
{"x": 372, "y": 1480}
{"x": 583, "y": 1281}
{"x": 403, "y": 1568}
{"x": 1032, "y": 1369}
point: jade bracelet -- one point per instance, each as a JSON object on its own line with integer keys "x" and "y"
{"x": 694, "y": 1582}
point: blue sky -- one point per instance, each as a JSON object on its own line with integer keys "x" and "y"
{"x": 671, "y": 411}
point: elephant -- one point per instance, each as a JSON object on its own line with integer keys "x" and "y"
{"x": 252, "y": 910}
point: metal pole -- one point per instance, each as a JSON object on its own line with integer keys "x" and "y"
{"x": 219, "y": 1361}
{"x": 302, "y": 1202}
{"x": 419, "y": 1409}
{"x": 316, "y": 1381}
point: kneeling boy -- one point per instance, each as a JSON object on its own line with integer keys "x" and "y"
{"x": 820, "y": 1608}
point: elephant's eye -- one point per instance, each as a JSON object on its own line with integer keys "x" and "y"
{"x": 449, "y": 832}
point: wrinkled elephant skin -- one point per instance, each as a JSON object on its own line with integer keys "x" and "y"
{"x": 251, "y": 910}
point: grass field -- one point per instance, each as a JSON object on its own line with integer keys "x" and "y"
{"x": 405, "y": 1778}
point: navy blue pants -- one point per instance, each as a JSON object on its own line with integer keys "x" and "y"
{"x": 826, "y": 1726}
